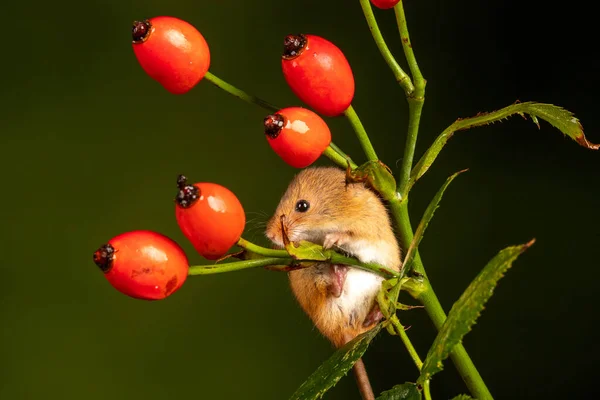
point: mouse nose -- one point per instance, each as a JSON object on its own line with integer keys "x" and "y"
{"x": 275, "y": 237}
{"x": 274, "y": 230}
{"x": 270, "y": 235}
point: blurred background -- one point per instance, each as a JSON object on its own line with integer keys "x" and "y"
{"x": 91, "y": 147}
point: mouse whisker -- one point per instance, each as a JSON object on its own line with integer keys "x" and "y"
{"x": 256, "y": 223}
{"x": 260, "y": 213}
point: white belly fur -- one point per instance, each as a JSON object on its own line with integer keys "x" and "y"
{"x": 362, "y": 286}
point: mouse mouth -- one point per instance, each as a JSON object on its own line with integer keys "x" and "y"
{"x": 289, "y": 232}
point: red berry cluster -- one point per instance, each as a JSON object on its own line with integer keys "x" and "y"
{"x": 175, "y": 54}
{"x": 148, "y": 265}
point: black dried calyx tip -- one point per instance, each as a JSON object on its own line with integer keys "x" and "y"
{"x": 104, "y": 257}
{"x": 140, "y": 31}
{"x": 188, "y": 194}
{"x": 293, "y": 46}
{"x": 273, "y": 125}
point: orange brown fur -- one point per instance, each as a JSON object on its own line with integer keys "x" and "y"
{"x": 350, "y": 218}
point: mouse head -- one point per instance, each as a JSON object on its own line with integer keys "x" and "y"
{"x": 316, "y": 202}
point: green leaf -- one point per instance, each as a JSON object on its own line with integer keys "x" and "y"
{"x": 467, "y": 309}
{"x": 376, "y": 175}
{"x": 558, "y": 117}
{"x": 306, "y": 251}
{"x": 332, "y": 370}
{"x": 462, "y": 397}
{"x": 427, "y": 216}
{"x": 414, "y": 286}
{"x": 406, "y": 391}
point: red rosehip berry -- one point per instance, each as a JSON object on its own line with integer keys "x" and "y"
{"x": 385, "y": 4}
{"x": 210, "y": 216}
{"x": 143, "y": 264}
{"x": 298, "y": 136}
{"x": 171, "y": 51}
{"x": 318, "y": 73}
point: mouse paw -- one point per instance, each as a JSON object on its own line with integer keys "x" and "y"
{"x": 338, "y": 279}
{"x": 336, "y": 239}
{"x": 374, "y": 316}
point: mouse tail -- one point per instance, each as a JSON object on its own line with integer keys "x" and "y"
{"x": 362, "y": 380}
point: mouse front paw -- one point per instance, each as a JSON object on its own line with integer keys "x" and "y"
{"x": 336, "y": 239}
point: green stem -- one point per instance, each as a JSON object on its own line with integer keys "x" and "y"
{"x": 337, "y": 155}
{"x": 261, "y": 251}
{"x": 415, "y": 102}
{"x": 407, "y": 46}
{"x": 341, "y": 153}
{"x": 401, "y": 77}
{"x": 324, "y": 255}
{"x": 237, "y": 266}
{"x": 426, "y": 392}
{"x": 399, "y": 208}
{"x": 337, "y": 158}
{"x": 240, "y": 94}
{"x": 336, "y": 258}
{"x": 459, "y": 355}
{"x": 406, "y": 340}
{"x": 361, "y": 133}
{"x": 415, "y": 106}
{"x": 412, "y": 351}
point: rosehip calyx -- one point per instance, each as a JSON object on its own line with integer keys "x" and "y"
{"x": 293, "y": 46}
{"x": 273, "y": 125}
{"x": 104, "y": 257}
{"x": 140, "y": 31}
{"x": 188, "y": 194}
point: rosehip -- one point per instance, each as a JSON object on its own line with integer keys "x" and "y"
{"x": 210, "y": 216}
{"x": 298, "y": 136}
{"x": 171, "y": 51}
{"x": 385, "y": 4}
{"x": 318, "y": 73}
{"x": 143, "y": 264}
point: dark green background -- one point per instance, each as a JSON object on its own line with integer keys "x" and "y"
{"x": 91, "y": 146}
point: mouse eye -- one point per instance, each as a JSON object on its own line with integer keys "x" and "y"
{"x": 302, "y": 206}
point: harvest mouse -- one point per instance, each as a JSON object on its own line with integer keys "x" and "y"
{"x": 320, "y": 207}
